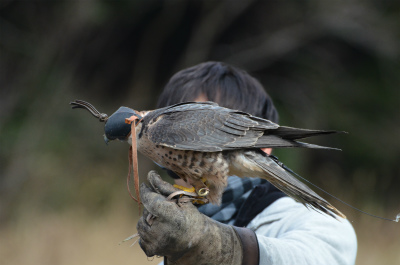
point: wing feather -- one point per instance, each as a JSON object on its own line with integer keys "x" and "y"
{"x": 208, "y": 127}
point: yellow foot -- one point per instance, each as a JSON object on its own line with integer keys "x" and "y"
{"x": 191, "y": 192}
{"x": 192, "y": 189}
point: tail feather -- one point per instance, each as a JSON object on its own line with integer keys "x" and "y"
{"x": 274, "y": 141}
{"x": 291, "y": 133}
{"x": 290, "y": 185}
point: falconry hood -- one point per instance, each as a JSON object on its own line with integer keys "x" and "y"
{"x": 116, "y": 127}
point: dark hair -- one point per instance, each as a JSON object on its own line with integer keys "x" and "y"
{"x": 226, "y": 85}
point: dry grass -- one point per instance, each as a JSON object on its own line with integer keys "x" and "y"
{"x": 378, "y": 241}
{"x": 73, "y": 237}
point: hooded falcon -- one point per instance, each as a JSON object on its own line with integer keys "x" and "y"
{"x": 204, "y": 143}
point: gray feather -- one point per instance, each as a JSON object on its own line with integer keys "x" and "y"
{"x": 290, "y": 185}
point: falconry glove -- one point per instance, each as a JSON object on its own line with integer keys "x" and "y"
{"x": 183, "y": 235}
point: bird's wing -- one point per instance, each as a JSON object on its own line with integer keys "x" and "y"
{"x": 290, "y": 185}
{"x": 204, "y": 127}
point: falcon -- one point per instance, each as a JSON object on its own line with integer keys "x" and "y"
{"x": 204, "y": 143}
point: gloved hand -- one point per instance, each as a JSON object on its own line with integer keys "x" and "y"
{"x": 185, "y": 236}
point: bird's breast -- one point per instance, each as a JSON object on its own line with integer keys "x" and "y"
{"x": 183, "y": 162}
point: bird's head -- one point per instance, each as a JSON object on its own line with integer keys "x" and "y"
{"x": 115, "y": 125}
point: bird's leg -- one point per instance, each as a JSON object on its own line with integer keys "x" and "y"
{"x": 184, "y": 195}
{"x": 187, "y": 188}
{"x": 197, "y": 186}
{"x": 201, "y": 188}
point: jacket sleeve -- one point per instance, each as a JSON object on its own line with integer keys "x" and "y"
{"x": 289, "y": 233}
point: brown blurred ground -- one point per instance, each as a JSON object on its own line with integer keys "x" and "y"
{"x": 73, "y": 237}
{"x": 327, "y": 65}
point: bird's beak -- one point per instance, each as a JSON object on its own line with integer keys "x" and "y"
{"x": 106, "y": 140}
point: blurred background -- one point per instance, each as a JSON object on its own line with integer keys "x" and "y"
{"x": 327, "y": 64}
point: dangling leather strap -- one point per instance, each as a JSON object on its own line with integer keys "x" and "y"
{"x": 133, "y": 163}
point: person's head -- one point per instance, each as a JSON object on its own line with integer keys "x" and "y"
{"x": 224, "y": 84}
